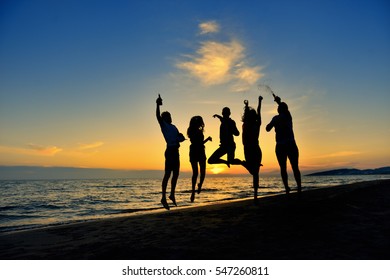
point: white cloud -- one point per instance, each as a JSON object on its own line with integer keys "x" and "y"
{"x": 216, "y": 63}
{"x": 209, "y": 27}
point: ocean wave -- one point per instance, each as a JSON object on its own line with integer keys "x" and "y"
{"x": 13, "y": 217}
{"x": 28, "y": 204}
{"x": 7, "y": 208}
{"x": 114, "y": 186}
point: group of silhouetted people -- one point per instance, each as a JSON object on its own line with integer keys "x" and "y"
{"x": 286, "y": 146}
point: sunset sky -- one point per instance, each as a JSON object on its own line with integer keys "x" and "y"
{"x": 79, "y": 79}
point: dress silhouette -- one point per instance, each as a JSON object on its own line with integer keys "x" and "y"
{"x": 173, "y": 138}
{"x": 227, "y": 130}
{"x": 250, "y": 139}
{"x": 197, "y": 152}
{"x": 286, "y": 146}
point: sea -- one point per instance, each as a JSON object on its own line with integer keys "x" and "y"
{"x": 28, "y": 204}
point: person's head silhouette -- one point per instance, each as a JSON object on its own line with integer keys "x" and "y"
{"x": 226, "y": 112}
{"x": 166, "y": 116}
{"x": 250, "y": 116}
{"x": 282, "y": 108}
{"x": 197, "y": 123}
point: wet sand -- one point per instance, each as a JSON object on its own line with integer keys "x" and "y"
{"x": 335, "y": 223}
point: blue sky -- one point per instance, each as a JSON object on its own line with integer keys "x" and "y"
{"x": 78, "y": 79}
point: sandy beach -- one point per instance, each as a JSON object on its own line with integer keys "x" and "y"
{"x": 335, "y": 223}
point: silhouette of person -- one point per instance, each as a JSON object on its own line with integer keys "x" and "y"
{"x": 250, "y": 139}
{"x": 227, "y": 130}
{"x": 197, "y": 152}
{"x": 285, "y": 143}
{"x": 173, "y": 138}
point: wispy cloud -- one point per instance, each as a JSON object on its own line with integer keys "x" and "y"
{"x": 216, "y": 63}
{"x": 246, "y": 77}
{"x": 209, "y": 27}
{"x": 32, "y": 150}
{"x": 340, "y": 154}
{"x": 90, "y": 145}
{"x": 44, "y": 150}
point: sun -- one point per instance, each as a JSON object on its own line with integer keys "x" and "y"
{"x": 217, "y": 169}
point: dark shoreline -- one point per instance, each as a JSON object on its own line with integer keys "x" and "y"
{"x": 341, "y": 222}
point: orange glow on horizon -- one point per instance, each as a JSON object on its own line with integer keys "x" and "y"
{"x": 217, "y": 169}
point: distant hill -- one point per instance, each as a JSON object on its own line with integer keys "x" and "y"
{"x": 353, "y": 171}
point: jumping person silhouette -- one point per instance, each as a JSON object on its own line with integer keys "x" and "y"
{"x": 250, "y": 139}
{"x": 227, "y": 130}
{"x": 285, "y": 143}
{"x": 197, "y": 152}
{"x": 173, "y": 138}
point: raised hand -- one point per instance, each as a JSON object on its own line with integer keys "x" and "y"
{"x": 159, "y": 100}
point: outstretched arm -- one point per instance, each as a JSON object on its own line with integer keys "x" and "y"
{"x": 217, "y": 116}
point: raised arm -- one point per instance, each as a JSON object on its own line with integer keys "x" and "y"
{"x": 246, "y": 108}
{"x": 259, "y": 109}
{"x": 158, "y": 104}
{"x": 277, "y": 99}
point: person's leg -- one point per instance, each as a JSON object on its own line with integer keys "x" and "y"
{"x": 202, "y": 165}
{"x": 256, "y": 170}
{"x": 167, "y": 174}
{"x": 164, "y": 189}
{"x": 255, "y": 183}
{"x": 195, "y": 171}
{"x": 253, "y": 158}
{"x": 294, "y": 159}
{"x": 165, "y": 180}
{"x": 175, "y": 174}
{"x": 247, "y": 163}
{"x": 282, "y": 160}
{"x": 231, "y": 156}
{"x": 215, "y": 158}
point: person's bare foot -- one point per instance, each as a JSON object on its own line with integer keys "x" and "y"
{"x": 171, "y": 197}
{"x": 165, "y": 203}
{"x": 199, "y": 188}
